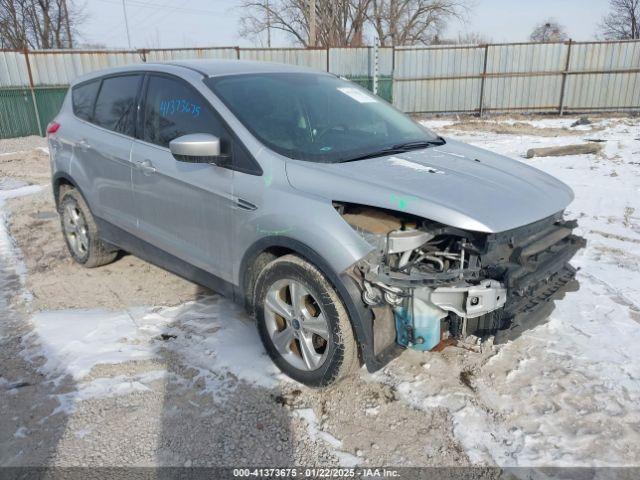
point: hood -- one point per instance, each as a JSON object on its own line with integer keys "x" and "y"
{"x": 455, "y": 184}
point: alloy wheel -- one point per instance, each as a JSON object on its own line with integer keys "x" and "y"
{"x": 297, "y": 325}
{"x": 75, "y": 229}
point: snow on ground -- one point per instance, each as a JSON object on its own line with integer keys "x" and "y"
{"x": 212, "y": 335}
{"x": 565, "y": 393}
{"x": 311, "y": 420}
{"x": 220, "y": 339}
{"x": 10, "y": 188}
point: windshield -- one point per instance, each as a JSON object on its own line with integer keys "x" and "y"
{"x": 318, "y": 118}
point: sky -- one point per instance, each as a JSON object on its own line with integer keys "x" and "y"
{"x": 197, "y": 23}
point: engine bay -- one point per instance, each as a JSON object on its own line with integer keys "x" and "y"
{"x": 441, "y": 285}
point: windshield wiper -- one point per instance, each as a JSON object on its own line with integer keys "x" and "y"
{"x": 399, "y": 148}
{"x": 419, "y": 144}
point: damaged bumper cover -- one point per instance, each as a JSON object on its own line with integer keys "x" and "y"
{"x": 420, "y": 327}
{"x": 438, "y": 284}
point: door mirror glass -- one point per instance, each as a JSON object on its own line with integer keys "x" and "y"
{"x": 198, "y": 148}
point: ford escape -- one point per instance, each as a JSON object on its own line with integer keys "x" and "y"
{"x": 348, "y": 230}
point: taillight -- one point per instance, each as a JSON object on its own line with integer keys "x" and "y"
{"x": 52, "y": 128}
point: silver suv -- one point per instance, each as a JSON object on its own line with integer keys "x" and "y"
{"x": 347, "y": 229}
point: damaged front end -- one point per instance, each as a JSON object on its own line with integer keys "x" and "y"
{"x": 430, "y": 285}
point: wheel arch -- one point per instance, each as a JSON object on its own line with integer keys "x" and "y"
{"x": 269, "y": 248}
{"x": 58, "y": 182}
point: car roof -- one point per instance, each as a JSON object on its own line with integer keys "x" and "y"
{"x": 210, "y": 67}
{"x": 205, "y": 67}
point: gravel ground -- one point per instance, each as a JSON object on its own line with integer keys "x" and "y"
{"x": 22, "y": 144}
{"x": 175, "y": 419}
{"x": 129, "y": 365}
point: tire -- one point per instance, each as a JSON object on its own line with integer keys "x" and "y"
{"x": 311, "y": 340}
{"x": 80, "y": 231}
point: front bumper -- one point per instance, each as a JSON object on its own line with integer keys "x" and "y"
{"x": 525, "y": 272}
{"x": 534, "y": 278}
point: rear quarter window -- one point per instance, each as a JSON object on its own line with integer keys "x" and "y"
{"x": 116, "y": 103}
{"x": 83, "y": 97}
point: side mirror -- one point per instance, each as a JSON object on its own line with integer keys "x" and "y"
{"x": 199, "y": 148}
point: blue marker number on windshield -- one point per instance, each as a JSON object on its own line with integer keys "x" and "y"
{"x": 177, "y": 106}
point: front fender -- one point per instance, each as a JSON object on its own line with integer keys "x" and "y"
{"x": 360, "y": 314}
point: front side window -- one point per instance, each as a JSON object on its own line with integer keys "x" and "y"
{"x": 116, "y": 103}
{"x": 316, "y": 117}
{"x": 172, "y": 109}
{"x": 83, "y": 97}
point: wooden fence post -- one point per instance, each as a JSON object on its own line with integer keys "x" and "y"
{"x": 564, "y": 79}
{"x": 482, "y": 80}
{"x": 32, "y": 89}
{"x": 393, "y": 73}
{"x": 374, "y": 86}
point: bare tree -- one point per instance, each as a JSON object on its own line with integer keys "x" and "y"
{"x": 91, "y": 46}
{"x": 469, "y": 38}
{"x": 413, "y": 22}
{"x": 38, "y": 24}
{"x": 549, "y": 31}
{"x": 623, "y": 22}
{"x": 339, "y": 23}
{"x": 472, "y": 38}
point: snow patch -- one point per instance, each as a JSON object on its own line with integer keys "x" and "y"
{"x": 75, "y": 341}
{"x": 401, "y": 162}
{"x": 9, "y": 254}
{"x": 81, "y": 433}
{"x": 345, "y": 459}
{"x": 372, "y": 411}
{"x": 107, "y": 387}
{"x": 566, "y": 393}
{"x": 212, "y": 335}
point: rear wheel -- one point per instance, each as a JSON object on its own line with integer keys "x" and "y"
{"x": 81, "y": 233}
{"x": 303, "y": 323}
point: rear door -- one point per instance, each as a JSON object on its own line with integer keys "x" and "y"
{"x": 183, "y": 208}
{"x": 103, "y": 149}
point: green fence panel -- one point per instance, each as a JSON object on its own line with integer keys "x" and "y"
{"x": 49, "y": 101}
{"x": 17, "y": 115}
{"x": 385, "y": 85}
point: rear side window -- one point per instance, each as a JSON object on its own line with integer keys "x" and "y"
{"x": 116, "y": 103}
{"x": 172, "y": 109}
{"x": 83, "y": 96}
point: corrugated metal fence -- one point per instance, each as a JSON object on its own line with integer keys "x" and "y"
{"x": 526, "y": 77}
{"x": 33, "y": 83}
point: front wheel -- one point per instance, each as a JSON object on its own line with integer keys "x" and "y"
{"x": 303, "y": 324}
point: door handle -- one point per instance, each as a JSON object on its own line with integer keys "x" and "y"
{"x": 83, "y": 145}
{"x": 146, "y": 167}
{"x": 244, "y": 205}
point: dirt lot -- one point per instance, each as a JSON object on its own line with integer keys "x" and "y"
{"x": 164, "y": 422}
{"x": 130, "y": 365}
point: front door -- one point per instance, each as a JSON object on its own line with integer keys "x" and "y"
{"x": 183, "y": 208}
